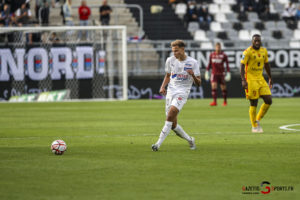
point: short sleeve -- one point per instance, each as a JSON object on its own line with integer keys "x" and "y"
{"x": 245, "y": 57}
{"x": 196, "y": 69}
{"x": 168, "y": 66}
{"x": 266, "y": 56}
{"x": 18, "y": 13}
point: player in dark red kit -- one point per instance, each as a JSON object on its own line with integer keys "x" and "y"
{"x": 217, "y": 59}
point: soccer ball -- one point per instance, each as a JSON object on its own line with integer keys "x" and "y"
{"x": 58, "y": 147}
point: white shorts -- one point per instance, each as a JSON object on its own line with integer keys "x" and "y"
{"x": 177, "y": 100}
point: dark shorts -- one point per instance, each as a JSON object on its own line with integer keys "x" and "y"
{"x": 218, "y": 78}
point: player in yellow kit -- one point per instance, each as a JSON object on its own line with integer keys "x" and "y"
{"x": 255, "y": 59}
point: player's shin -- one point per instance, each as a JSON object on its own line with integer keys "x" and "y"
{"x": 164, "y": 133}
{"x": 252, "y": 115}
{"x": 262, "y": 111}
{"x": 214, "y": 94}
{"x": 224, "y": 93}
{"x": 181, "y": 133}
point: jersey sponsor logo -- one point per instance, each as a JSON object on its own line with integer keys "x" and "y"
{"x": 174, "y": 75}
{"x": 217, "y": 60}
{"x": 182, "y": 77}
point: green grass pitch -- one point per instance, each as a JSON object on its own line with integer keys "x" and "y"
{"x": 109, "y": 151}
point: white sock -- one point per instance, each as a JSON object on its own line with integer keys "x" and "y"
{"x": 164, "y": 133}
{"x": 181, "y": 133}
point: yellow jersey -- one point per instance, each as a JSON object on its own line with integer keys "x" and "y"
{"x": 254, "y": 61}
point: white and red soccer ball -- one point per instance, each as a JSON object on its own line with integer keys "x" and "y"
{"x": 58, "y": 147}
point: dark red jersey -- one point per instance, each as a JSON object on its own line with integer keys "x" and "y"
{"x": 216, "y": 62}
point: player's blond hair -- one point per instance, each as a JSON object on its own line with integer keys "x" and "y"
{"x": 178, "y": 43}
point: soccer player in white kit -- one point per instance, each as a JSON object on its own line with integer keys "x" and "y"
{"x": 181, "y": 72}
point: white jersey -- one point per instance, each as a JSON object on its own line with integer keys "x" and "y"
{"x": 180, "y": 80}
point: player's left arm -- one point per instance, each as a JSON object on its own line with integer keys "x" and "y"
{"x": 226, "y": 63}
{"x": 197, "y": 77}
{"x": 268, "y": 69}
{"x": 228, "y": 75}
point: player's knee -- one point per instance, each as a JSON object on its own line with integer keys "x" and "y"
{"x": 170, "y": 117}
{"x": 268, "y": 101}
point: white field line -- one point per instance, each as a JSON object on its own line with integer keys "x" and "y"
{"x": 286, "y": 127}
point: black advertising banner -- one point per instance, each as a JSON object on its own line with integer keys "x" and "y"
{"x": 32, "y": 69}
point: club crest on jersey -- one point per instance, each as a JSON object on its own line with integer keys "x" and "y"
{"x": 179, "y": 98}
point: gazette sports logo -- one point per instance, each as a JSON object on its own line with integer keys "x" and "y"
{"x": 266, "y": 188}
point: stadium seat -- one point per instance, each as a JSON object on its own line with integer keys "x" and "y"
{"x": 220, "y": 17}
{"x": 243, "y": 17}
{"x": 280, "y": 25}
{"x": 232, "y": 17}
{"x": 248, "y": 25}
{"x": 297, "y": 34}
{"x": 237, "y": 26}
{"x": 232, "y": 34}
{"x": 244, "y": 35}
{"x": 206, "y": 45}
{"x": 277, "y": 34}
{"x": 292, "y": 25}
{"x": 225, "y": 8}
{"x": 284, "y": 1}
{"x": 272, "y": 8}
{"x": 200, "y": 36}
{"x": 222, "y": 35}
{"x": 213, "y": 8}
{"x": 180, "y": 9}
{"x": 270, "y": 25}
{"x": 218, "y": 1}
{"x": 215, "y": 26}
{"x": 226, "y": 26}
{"x": 193, "y": 27}
{"x": 254, "y": 31}
{"x": 211, "y": 35}
{"x": 231, "y": 2}
{"x": 267, "y": 34}
{"x": 295, "y": 44}
{"x": 259, "y": 26}
{"x": 253, "y": 17}
{"x": 204, "y": 26}
{"x": 287, "y": 33}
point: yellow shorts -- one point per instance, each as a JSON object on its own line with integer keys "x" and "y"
{"x": 257, "y": 88}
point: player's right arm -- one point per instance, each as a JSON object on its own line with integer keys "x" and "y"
{"x": 244, "y": 62}
{"x": 165, "y": 82}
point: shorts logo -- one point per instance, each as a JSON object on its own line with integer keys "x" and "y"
{"x": 254, "y": 93}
